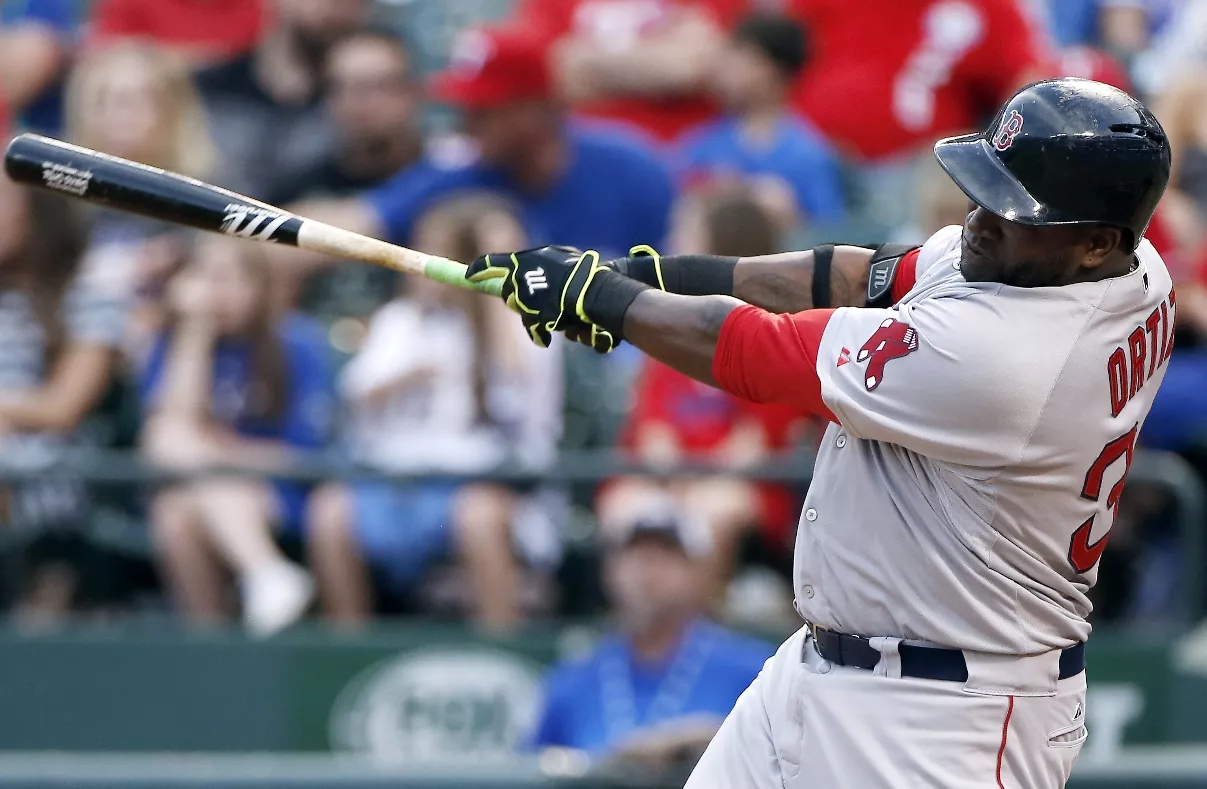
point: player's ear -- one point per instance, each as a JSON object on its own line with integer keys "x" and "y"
{"x": 1099, "y": 243}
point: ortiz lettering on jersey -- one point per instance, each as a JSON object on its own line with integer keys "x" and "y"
{"x": 1152, "y": 341}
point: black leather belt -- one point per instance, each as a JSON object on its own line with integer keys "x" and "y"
{"x": 844, "y": 649}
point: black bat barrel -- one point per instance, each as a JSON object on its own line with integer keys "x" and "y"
{"x": 128, "y": 186}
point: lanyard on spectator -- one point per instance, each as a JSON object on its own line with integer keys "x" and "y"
{"x": 620, "y": 698}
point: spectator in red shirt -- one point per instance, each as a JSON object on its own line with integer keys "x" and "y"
{"x": 641, "y": 62}
{"x": 891, "y": 76}
{"x": 203, "y": 31}
{"x": 678, "y": 420}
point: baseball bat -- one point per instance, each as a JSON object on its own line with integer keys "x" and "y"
{"x": 149, "y": 191}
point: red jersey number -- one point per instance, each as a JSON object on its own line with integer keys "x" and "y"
{"x": 1082, "y": 555}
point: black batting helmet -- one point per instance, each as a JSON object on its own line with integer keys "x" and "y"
{"x": 1065, "y": 151}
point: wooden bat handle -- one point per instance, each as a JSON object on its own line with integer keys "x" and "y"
{"x": 330, "y": 240}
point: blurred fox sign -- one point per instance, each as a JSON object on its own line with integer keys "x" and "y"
{"x": 439, "y": 706}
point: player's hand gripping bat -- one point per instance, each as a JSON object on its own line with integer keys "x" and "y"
{"x": 117, "y": 183}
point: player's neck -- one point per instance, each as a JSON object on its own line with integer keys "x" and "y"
{"x": 658, "y": 640}
{"x": 1118, "y": 267}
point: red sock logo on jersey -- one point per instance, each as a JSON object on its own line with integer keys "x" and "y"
{"x": 892, "y": 340}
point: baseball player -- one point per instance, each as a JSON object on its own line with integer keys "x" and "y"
{"x": 984, "y": 390}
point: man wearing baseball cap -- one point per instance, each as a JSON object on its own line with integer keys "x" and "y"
{"x": 657, "y": 688}
{"x": 591, "y": 187}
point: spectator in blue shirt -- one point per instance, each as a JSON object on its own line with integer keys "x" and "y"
{"x": 760, "y": 140}
{"x": 657, "y": 689}
{"x": 592, "y": 187}
{"x": 230, "y": 384}
{"x": 35, "y": 36}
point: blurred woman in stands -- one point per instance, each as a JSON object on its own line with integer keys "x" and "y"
{"x": 442, "y": 382}
{"x": 676, "y": 420}
{"x": 231, "y": 384}
{"x": 58, "y": 332}
{"x": 134, "y": 100}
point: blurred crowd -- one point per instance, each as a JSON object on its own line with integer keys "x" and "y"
{"x": 733, "y": 127}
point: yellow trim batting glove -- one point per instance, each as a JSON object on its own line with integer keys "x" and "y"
{"x": 547, "y": 286}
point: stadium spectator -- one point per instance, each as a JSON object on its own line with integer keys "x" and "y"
{"x": 265, "y": 107}
{"x": 596, "y": 189}
{"x": 940, "y": 203}
{"x": 230, "y": 384}
{"x": 203, "y": 32}
{"x": 375, "y": 101}
{"x": 937, "y": 68}
{"x": 1178, "y": 420}
{"x": 760, "y": 140}
{"x": 58, "y": 335}
{"x": 1122, "y": 27}
{"x": 373, "y": 98}
{"x": 1176, "y": 37}
{"x": 1071, "y": 22}
{"x": 35, "y": 48}
{"x": 1096, "y": 64}
{"x": 1182, "y": 113}
{"x": 675, "y": 419}
{"x": 134, "y": 100}
{"x": 641, "y": 62}
{"x": 654, "y": 691}
{"x": 418, "y": 400}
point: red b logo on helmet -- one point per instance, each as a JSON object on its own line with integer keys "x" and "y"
{"x": 1009, "y": 130}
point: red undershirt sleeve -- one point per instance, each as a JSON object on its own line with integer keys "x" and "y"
{"x": 907, "y": 274}
{"x": 767, "y": 358}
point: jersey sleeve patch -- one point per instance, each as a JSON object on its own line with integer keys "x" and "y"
{"x": 892, "y": 340}
{"x": 945, "y": 378}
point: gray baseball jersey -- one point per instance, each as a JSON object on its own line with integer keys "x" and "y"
{"x": 984, "y": 433}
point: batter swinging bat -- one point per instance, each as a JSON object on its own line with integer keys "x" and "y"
{"x": 117, "y": 183}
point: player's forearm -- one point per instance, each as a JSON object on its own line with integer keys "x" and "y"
{"x": 679, "y": 331}
{"x": 718, "y": 340}
{"x": 785, "y": 282}
{"x": 780, "y": 283}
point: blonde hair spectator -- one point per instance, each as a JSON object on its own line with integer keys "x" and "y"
{"x": 138, "y": 101}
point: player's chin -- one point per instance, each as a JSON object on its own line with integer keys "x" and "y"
{"x": 977, "y": 268}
